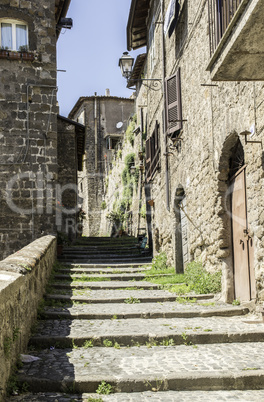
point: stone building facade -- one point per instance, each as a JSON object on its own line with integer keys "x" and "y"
{"x": 71, "y": 148}
{"x": 204, "y": 151}
{"x": 28, "y": 119}
{"x": 105, "y": 119}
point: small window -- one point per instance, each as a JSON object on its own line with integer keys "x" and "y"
{"x": 14, "y": 34}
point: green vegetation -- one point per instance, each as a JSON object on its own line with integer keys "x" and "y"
{"x": 195, "y": 278}
{"x": 236, "y": 302}
{"x": 88, "y": 344}
{"x": 130, "y": 136}
{"x": 9, "y": 341}
{"x": 107, "y": 343}
{"x": 131, "y": 300}
{"x": 119, "y": 154}
{"x": 103, "y": 205}
{"x": 104, "y": 388}
{"x": 200, "y": 280}
{"x": 87, "y": 278}
{"x": 143, "y": 213}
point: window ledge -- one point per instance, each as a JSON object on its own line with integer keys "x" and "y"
{"x": 12, "y": 55}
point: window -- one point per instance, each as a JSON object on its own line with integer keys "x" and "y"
{"x": 14, "y": 34}
{"x": 173, "y": 104}
{"x": 152, "y": 153}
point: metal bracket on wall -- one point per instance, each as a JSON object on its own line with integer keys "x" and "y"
{"x": 246, "y": 133}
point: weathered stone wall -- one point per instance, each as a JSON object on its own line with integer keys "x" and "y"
{"x": 198, "y": 165}
{"x": 28, "y": 129}
{"x": 115, "y": 190}
{"x": 67, "y": 179}
{"x": 23, "y": 277}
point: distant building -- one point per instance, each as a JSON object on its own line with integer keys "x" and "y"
{"x": 105, "y": 119}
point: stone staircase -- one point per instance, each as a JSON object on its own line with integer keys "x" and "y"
{"x": 104, "y": 328}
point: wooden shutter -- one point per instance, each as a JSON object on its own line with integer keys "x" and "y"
{"x": 148, "y": 160}
{"x": 173, "y": 103}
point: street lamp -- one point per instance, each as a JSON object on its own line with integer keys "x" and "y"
{"x": 126, "y": 64}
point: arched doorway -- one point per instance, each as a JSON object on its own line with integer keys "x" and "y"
{"x": 242, "y": 242}
{"x": 181, "y": 231}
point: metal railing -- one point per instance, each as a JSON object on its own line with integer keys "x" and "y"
{"x": 221, "y": 13}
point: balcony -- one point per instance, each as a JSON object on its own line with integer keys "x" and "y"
{"x": 236, "y": 40}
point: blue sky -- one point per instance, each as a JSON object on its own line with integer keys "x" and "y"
{"x": 90, "y": 51}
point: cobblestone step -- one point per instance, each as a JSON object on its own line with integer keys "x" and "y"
{"x": 105, "y": 285}
{"x": 138, "y": 369}
{"x": 103, "y": 270}
{"x": 109, "y": 259}
{"x": 196, "y": 330}
{"x": 150, "y": 348}
{"x": 146, "y": 310}
{"x": 112, "y": 265}
{"x": 112, "y": 277}
{"x": 148, "y": 396}
{"x": 84, "y": 295}
{"x": 97, "y": 250}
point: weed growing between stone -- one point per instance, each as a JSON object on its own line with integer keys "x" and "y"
{"x": 107, "y": 343}
{"x": 185, "y": 300}
{"x": 195, "y": 277}
{"x": 154, "y": 388}
{"x": 200, "y": 280}
{"x": 88, "y": 344}
{"x": 131, "y": 300}
{"x": 104, "y": 388}
{"x": 91, "y": 399}
{"x": 9, "y": 341}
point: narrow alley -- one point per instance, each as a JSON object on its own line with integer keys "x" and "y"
{"x": 104, "y": 333}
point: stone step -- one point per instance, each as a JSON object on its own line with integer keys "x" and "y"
{"x": 102, "y": 254}
{"x": 110, "y": 277}
{"x": 111, "y": 259}
{"x": 98, "y": 250}
{"x": 111, "y": 265}
{"x": 140, "y": 310}
{"x": 139, "y": 369}
{"x": 108, "y": 270}
{"x": 128, "y": 332}
{"x": 152, "y": 396}
{"x": 118, "y": 295}
{"x": 105, "y": 285}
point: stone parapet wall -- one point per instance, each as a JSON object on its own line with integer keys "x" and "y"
{"x": 23, "y": 277}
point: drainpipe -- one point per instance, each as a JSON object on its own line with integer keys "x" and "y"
{"x": 163, "y": 58}
{"x": 95, "y": 132}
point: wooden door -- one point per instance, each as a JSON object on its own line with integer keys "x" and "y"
{"x": 243, "y": 251}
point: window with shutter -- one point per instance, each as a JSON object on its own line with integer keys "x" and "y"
{"x": 173, "y": 104}
{"x": 152, "y": 153}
